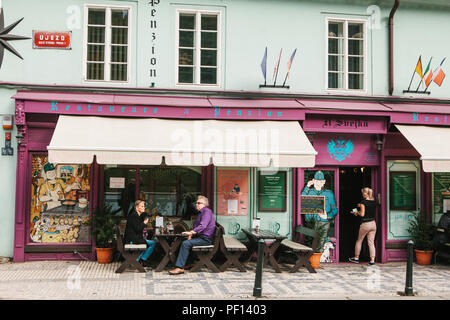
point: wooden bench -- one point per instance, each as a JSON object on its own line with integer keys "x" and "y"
{"x": 206, "y": 253}
{"x": 301, "y": 251}
{"x": 130, "y": 252}
{"x": 232, "y": 249}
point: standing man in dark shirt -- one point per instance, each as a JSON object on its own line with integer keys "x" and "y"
{"x": 368, "y": 227}
{"x": 134, "y": 231}
{"x": 202, "y": 234}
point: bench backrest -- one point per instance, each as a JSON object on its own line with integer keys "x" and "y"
{"x": 309, "y": 233}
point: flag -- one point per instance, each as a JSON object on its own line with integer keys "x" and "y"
{"x": 428, "y": 74}
{"x": 290, "y": 60}
{"x": 264, "y": 64}
{"x": 439, "y": 75}
{"x": 277, "y": 65}
{"x": 419, "y": 67}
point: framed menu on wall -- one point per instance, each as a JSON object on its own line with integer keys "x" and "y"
{"x": 272, "y": 192}
{"x": 402, "y": 187}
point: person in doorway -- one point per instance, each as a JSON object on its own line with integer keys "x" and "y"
{"x": 330, "y": 203}
{"x": 134, "y": 232}
{"x": 368, "y": 226}
{"x": 202, "y": 234}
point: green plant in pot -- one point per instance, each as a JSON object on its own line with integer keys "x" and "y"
{"x": 102, "y": 228}
{"x": 421, "y": 233}
{"x": 321, "y": 236}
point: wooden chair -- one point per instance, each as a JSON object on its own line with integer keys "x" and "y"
{"x": 130, "y": 252}
{"x": 206, "y": 253}
{"x": 301, "y": 251}
{"x": 232, "y": 249}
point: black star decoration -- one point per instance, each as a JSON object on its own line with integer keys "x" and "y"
{"x": 5, "y": 37}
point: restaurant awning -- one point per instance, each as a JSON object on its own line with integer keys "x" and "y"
{"x": 432, "y": 143}
{"x": 145, "y": 141}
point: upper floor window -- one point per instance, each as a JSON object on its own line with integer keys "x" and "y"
{"x": 198, "y": 48}
{"x": 346, "y": 56}
{"x": 107, "y": 44}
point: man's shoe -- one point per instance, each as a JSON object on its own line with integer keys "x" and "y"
{"x": 353, "y": 260}
{"x": 176, "y": 271}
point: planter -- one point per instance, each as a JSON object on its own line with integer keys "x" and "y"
{"x": 423, "y": 257}
{"x": 104, "y": 255}
{"x": 315, "y": 260}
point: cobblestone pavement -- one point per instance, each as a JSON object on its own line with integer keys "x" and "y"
{"x": 53, "y": 280}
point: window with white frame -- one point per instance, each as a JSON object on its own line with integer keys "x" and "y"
{"x": 107, "y": 44}
{"x": 198, "y": 48}
{"x": 346, "y": 56}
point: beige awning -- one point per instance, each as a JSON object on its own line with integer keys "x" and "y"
{"x": 138, "y": 141}
{"x": 433, "y": 144}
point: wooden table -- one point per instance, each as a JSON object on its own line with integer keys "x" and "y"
{"x": 170, "y": 244}
{"x": 269, "y": 250}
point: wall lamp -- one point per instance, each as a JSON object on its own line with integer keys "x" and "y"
{"x": 19, "y": 136}
{"x": 379, "y": 143}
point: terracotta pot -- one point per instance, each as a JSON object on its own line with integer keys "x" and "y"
{"x": 315, "y": 260}
{"x": 423, "y": 257}
{"x": 104, "y": 255}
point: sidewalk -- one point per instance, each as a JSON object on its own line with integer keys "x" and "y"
{"x": 54, "y": 280}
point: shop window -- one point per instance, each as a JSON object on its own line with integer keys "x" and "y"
{"x": 60, "y": 197}
{"x": 441, "y": 194}
{"x": 167, "y": 191}
{"x": 107, "y": 44}
{"x": 346, "y": 56}
{"x": 198, "y": 48}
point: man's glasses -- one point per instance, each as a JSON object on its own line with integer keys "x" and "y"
{"x": 198, "y": 202}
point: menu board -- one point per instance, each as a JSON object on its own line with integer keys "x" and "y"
{"x": 272, "y": 192}
{"x": 402, "y": 186}
{"x": 441, "y": 192}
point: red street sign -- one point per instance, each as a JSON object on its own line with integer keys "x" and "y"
{"x": 52, "y": 39}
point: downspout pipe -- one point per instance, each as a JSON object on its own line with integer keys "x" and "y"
{"x": 391, "y": 46}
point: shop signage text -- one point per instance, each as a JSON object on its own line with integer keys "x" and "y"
{"x": 52, "y": 39}
{"x": 164, "y": 111}
{"x": 345, "y": 124}
{"x": 421, "y": 118}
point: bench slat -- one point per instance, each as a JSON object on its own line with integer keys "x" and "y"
{"x": 135, "y": 247}
{"x": 234, "y": 244}
{"x": 295, "y": 245}
{"x": 203, "y": 248}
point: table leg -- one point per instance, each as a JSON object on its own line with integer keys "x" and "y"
{"x": 252, "y": 247}
{"x": 270, "y": 255}
{"x": 165, "y": 260}
{"x": 173, "y": 250}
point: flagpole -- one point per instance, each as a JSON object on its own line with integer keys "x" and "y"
{"x": 278, "y": 67}
{"x": 414, "y": 73}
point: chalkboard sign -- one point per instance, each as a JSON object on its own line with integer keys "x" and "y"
{"x": 272, "y": 192}
{"x": 313, "y": 205}
{"x": 402, "y": 195}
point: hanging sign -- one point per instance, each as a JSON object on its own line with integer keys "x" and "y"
{"x": 52, "y": 40}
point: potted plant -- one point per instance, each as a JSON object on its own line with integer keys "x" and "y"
{"x": 320, "y": 228}
{"x": 103, "y": 233}
{"x": 421, "y": 233}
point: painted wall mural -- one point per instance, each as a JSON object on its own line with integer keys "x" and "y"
{"x": 59, "y": 202}
{"x": 232, "y": 192}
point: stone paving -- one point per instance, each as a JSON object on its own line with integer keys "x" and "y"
{"x": 54, "y": 280}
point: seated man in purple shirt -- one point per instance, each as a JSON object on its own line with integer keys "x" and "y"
{"x": 202, "y": 234}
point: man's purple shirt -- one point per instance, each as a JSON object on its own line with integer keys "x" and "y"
{"x": 205, "y": 224}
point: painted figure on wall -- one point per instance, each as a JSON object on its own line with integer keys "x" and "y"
{"x": 59, "y": 210}
{"x": 315, "y": 187}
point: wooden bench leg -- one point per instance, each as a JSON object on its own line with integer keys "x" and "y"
{"x": 302, "y": 260}
{"x": 233, "y": 259}
{"x": 130, "y": 259}
{"x": 204, "y": 259}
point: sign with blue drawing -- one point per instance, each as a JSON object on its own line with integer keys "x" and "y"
{"x": 340, "y": 149}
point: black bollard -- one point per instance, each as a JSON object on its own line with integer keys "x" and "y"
{"x": 257, "y": 288}
{"x": 409, "y": 269}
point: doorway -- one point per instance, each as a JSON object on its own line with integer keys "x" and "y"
{"x": 351, "y": 181}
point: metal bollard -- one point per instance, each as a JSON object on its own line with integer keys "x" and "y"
{"x": 409, "y": 269}
{"x": 257, "y": 288}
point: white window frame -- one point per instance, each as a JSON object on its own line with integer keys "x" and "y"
{"x": 197, "y": 47}
{"x": 346, "y": 89}
{"x": 107, "y": 61}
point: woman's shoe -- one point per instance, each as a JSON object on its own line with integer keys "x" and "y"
{"x": 371, "y": 263}
{"x": 354, "y": 260}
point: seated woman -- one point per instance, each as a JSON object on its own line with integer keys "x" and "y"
{"x": 134, "y": 232}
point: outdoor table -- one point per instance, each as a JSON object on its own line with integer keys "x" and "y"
{"x": 269, "y": 250}
{"x": 169, "y": 249}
